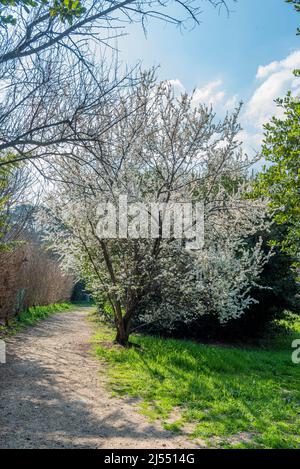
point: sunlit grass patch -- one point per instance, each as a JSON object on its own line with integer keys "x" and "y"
{"x": 231, "y": 397}
{"x": 33, "y": 315}
{"x": 37, "y": 313}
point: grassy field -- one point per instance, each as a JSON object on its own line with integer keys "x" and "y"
{"x": 33, "y": 315}
{"x": 220, "y": 396}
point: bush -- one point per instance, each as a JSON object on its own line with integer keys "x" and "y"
{"x": 37, "y": 313}
{"x": 30, "y": 276}
{"x": 281, "y": 290}
{"x": 278, "y": 293}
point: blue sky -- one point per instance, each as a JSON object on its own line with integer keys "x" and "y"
{"x": 222, "y": 56}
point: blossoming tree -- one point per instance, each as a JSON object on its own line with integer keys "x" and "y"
{"x": 162, "y": 148}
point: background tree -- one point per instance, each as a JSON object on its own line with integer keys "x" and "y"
{"x": 47, "y": 72}
{"x": 280, "y": 181}
{"x": 296, "y": 4}
{"x": 28, "y": 274}
{"x": 66, "y": 10}
{"x": 277, "y": 296}
{"x": 162, "y": 150}
{"x": 4, "y": 178}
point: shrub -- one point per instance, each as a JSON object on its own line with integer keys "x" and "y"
{"x": 30, "y": 277}
{"x": 278, "y": 292}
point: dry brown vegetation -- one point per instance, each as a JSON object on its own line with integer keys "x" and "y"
{"x": 29, "y": 276}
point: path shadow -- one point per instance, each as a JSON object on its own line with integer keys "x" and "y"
{"x": 36, "y": 413}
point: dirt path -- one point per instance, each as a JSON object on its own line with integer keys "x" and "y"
{"x": 51, "y": 395}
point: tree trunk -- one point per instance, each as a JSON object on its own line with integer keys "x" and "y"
{"x": 123, "y": 331}
{"x": 122, "y": 335}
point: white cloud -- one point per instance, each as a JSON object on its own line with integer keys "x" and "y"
{"x": 210, "y": 94}
{"x": 273, "y": 81}
{"x": 261, "y": 105}
{"x": 277, "y": 79}
{"x": 265, "y": 70}
{"x": 177, "y": 85}
{"x": 289, "y": 63}
{"x": 251, "y": 141}
{"x": 232, "y": 103}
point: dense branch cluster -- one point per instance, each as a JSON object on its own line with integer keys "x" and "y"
{"x": 49, "y": 77}
{"x": 164, "y": 149}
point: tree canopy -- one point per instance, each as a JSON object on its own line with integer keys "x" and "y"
{"x": 296, "y": 4}
{"x": 66, "y": 10}
{"x": 280, "y": 182}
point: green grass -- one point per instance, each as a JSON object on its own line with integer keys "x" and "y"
{"x": 33, "y": 315}
{"x": 226, "y": 397}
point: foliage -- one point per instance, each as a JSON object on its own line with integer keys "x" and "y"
{"x": 5, "y": 196}
{"x": 30, "y": 276}
{"x": 37, "y": 313}
{"x": 280, "y": 180}
{"x": 66, "y": 10}
{"x": 3, "y": 186}
{"x": 33, "y": 315}
{"x": 52, "y": 80}
{"x": 296, "y": 5}
{"x": 79, "y": 292}
{"x": 224, "y": 397}
{"x": 278, "y": 293}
